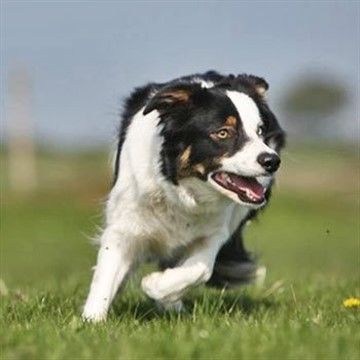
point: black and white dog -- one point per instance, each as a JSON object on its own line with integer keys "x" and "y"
{"x": 195, "y": 161}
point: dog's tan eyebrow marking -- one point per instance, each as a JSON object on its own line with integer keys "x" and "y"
{"x": 231, "y": 121}
{"x": 184, "y": 158}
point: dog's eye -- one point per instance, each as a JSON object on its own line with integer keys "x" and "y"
{"x": 260, "y": 130}
{"x": 223, "y": 134}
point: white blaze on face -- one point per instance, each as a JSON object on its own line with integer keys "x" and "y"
{"x": 244, "y": 162}
{"x": 248, "y": 111}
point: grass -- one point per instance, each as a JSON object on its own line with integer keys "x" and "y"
{"x": 309, "y": 241}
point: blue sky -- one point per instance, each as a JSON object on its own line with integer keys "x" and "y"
{"x": 85, "y": 56}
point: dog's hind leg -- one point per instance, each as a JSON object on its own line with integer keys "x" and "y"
{"x": 113, "y": 263}
{"x": 168, "y": 286}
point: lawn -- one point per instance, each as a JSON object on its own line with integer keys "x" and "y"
{"x": 308, "y": 239}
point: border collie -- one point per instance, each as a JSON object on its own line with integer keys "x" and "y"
{"x": 195, "y": 161}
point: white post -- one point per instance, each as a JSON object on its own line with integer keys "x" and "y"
{"x": 20, "y": 142}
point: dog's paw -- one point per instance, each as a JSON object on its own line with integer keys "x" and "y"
{"x": 93, "y": 315}
{"x": 149, "y": 284}
{"x": 260, "y": 276}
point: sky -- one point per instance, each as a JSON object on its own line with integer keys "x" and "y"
{"x": 84, "y": 57}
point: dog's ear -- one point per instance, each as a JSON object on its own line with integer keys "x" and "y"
{"x": 260, "y": 84}
{"x": 253, "y": 83}
{"x": 171, "y": 96}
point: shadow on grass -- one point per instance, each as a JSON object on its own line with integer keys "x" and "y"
{"x": 229, "y": 302}
{"x": 200, "y": 304}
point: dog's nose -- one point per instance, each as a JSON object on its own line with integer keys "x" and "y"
{"x": 269, "y": 161}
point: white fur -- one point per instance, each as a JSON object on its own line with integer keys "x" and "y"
{"x": 168, "y": 286}
{"x": 113, "y": 263}
{"x": 148, "y": 216}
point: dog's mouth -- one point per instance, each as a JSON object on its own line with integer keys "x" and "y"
{"x": 248, "y": 189}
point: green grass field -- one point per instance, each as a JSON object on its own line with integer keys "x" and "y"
{"x": 308, "y": 239}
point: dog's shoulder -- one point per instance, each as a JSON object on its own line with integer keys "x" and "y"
{"x": 132, "y": 104}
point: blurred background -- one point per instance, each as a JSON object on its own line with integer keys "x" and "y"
{"x": 66, "y": 66}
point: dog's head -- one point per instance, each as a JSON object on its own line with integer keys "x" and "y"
{"x": 225, "y": 135}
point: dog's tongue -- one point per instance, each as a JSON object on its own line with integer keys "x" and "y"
{"x": 248, "y": 189}
{"x": 248, "y": 184}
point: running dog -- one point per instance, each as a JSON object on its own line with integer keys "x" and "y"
{"x": 196, "y": 159}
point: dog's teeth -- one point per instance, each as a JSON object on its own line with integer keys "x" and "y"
{"x": 250, "y": 195}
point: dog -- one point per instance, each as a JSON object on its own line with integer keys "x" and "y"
{"x": 195, "y": 161}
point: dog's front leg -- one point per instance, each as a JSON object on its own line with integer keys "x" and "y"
{"x": 113, "y": 263}
{"x": 168, "y": 286}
